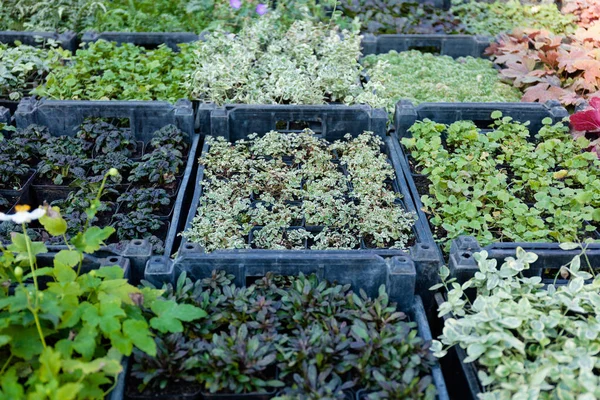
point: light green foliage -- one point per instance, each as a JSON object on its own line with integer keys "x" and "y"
{"x": 194, "y": 15}
{"x": 107, "y": 71}
{"x": 423, "y": 77}
{"x": 66, "y": 339}
{"x": 481, "y": 18}
{"x": 528, "y": 341}
{"x": 498, "y": 186}
{"x": 348, "y": 207}
{"x": 307, "y": 64}
{"x": 23, "y": 68}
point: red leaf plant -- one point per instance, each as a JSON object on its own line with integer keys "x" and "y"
{"x": 586, "y": 123}
{"x": 547, "y": 66}
{"x": 586, "y": 12}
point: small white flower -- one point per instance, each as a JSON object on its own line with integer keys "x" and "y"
{"x": 23, "y": 215}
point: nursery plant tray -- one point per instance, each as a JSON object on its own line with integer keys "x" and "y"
{"x": 375, "y": 266}
{"x": 407, "y": 114}
{"x": 480, "y": 113}
{"x": 67, "y": 40}
{"x": 144, "y": 118}
{"x": 448, "y": 45}
{"x": 415, "y": 312}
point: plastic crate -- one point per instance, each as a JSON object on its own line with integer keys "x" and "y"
{"x": 551, "y": 257}
{"x": 449, "y": 45}
{"x": 331, "y": 122}
{"x": 407, "y": 114}
{"x": 67, "y": 40}
{"x": 145, "y": 117}
{"x": 144, "y": 39}
{"x": 4, "y": 114}
{"x": 447, "y": 113}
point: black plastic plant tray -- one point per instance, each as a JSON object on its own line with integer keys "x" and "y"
{"x": 407, "y": 114}
{"x": 447, "y": 113}
{"x": 145, "y": 117}
{"x": 144, "y": 39}
{"x": 331, "y": 122}
{"x": 551, "y": 257}
{"x": 67, "y": 40}
{"x": 448, "y": 45}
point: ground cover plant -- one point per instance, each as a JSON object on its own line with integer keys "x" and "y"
{"x": 500, "y": 186}
{"x": 69, "y": 170}
{"x": 63, "y": 330}
{"x": 295, "y": 191}
{"x": 321, "y": 337}
{"x": 423, "y": 77}
{"x": 23, "y": 68}
{"x": 107, "y": 71}
{"x": 482, "y": 18}
{"x": 309, "y": 63}
{"x": 398, "y": 16}
{"x": 586, "y": 12}
{"x": 525, "y": 339}
{"x": 546, "y": 66}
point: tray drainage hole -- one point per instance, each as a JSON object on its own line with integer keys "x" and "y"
{"x": 466, "y": 255}
{"x": 113, "y": 259}
{"x": 137, "y": 242}
{"x": 402, "y": 260}
{"x": 189, "y": 246}
{"x": 425, "y": 246}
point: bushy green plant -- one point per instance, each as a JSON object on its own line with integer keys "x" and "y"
{"x": 107, "y": 71}
{"x": 70, "y": 333}
{"x": 23, "y": 68}
{"x": 248, "y": 185}
{"x": 482, "y": 18}
{"x": 499, "y": 186}
{"x": 195, "y": 15}
{"x": 422, "y": 77}
{"x": 525, "y": 339}
{"x": 309, "y": 63}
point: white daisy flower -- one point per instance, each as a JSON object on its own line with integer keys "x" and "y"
{"x": 23, "y": 215}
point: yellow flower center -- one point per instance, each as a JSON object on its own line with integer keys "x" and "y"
{"x": 22, "y": 207}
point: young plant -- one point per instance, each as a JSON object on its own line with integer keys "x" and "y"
{"x": 499, "y": 186}
{"x": 169, "y": 136}
{"x": 237, "y": 362}
{"x": 136, "y": 224}
{"x": 71, "y": 333}
{"x": 160, "y": 167}
{"x": 25, "y": 67}
{"x": 61, "y": 168}
{"x": 150, "y": 199}
{"x": 541, "y": 337}
{"x": 105, "y": 138}
{"x": 281, "y": 183}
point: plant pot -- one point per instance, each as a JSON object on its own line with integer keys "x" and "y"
{"x": 50, "y": 193}
{"x": 25, "y": 183}
{"x": 181, "y": 393}
{"x": 235, "y": 396}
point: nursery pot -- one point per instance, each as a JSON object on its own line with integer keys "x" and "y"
{"x": 50, "y": 193}
{"x": 24, "y": 187}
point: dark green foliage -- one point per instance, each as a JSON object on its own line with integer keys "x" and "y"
{"x": 136, "y": 224}
{"x": 105, "y": 138}
{"x": 170, "y": 136}
{"x": 399, "y": 16}
{"x": 159, "y": 167}
{"x": 145, "y": 198}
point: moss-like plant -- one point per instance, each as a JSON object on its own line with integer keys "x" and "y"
{"x": 423, "y": 77}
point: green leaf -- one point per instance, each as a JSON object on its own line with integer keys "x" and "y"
{"x": 91, "y": 240}
{"x": 54, "y": 223}
{"x": 568, "y": 246}
{"x": 169, "y": 314}
{"x": 138, "y": 332}
{"x": 69, "y": 258}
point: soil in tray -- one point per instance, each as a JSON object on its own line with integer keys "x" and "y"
{"x": 173, "y": 391}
